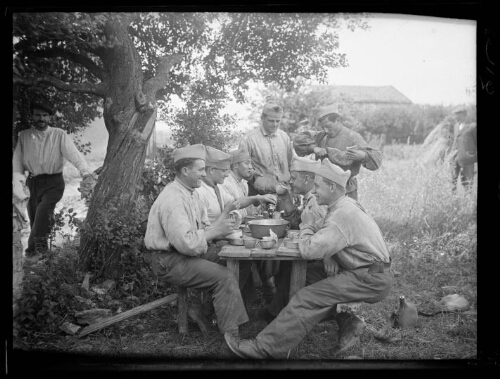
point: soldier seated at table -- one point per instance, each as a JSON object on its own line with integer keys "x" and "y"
{"x": 214, "y": 196}
{"x": 178, "y": 234}
{"x": 358, "y": 270}
{"x": 302, "y": 175}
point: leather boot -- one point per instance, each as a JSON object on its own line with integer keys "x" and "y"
{"x": 351, "y": 328}
{"x": 247, "y": 349}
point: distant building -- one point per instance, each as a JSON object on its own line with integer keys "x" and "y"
{"x": 369, "y": 97}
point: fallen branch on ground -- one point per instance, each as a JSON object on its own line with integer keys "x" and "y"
{"x": 127, "y": 314}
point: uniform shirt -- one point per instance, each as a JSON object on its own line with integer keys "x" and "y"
{"x": 348, "y": 234}
{"x": 209, "y": 200}
{"x": 43, "y": 152}
{"x": 346, "y": 138}
{"x": 270, "y": 153}
{"x": 177, "y": 218}
{"x": 236, "y": 189}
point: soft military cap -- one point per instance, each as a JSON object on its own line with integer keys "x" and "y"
{"x": 332, "y": 172}
{"x": 217, "y": 158}
{"x": 459, "y": 109}
{"x": 190, "y": 151}
{"x": 304, "y": 164}
{"x": 239, "y": 156}
{"x": 273, "y": 110}
{"x": 327, "y": 109}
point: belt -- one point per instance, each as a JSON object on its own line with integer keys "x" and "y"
{"x": 31, "y": 176}
{"x": 378, "y": 267}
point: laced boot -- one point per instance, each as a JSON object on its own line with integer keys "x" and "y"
{"x": 351, "y": 328}
{"x": 247, "y": 349}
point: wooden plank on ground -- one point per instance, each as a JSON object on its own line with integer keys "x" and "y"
{"x": 127, "y": 314}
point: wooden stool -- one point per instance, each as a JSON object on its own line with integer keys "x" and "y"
{"x": 348, "y": 307}
{"x": 182, "y": 315}
{"x": 194, "y": 312}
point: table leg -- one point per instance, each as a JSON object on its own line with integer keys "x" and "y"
{"x": 298, "y": 277}
{"x": 234, "y": 266}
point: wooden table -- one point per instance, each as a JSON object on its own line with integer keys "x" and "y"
{"x": 234, "y": 254}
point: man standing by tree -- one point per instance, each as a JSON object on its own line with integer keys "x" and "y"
{"x": 358, "y": 269}
{"x": 341, "y": 146}
{"x": 41, "y": 151}
{"x": 464, "y": 149}
{"x": 178, "y": 233}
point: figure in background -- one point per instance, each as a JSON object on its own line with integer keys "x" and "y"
{"x": 464, "y": 150}
{"x": 41, "y": 151}
{"x": 269, "y": 147}
{"x": 342, "y": 146}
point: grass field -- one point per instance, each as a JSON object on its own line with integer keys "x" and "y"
{"x": 432, "y": 236}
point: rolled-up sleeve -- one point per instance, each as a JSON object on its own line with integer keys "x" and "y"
{"x": 373, "y": 158}
{"x": 71, "y": 153}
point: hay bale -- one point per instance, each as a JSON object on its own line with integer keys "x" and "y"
{"x": 437, "y": 144}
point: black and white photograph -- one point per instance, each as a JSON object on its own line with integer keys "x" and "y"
{"x": 240, "y": 188}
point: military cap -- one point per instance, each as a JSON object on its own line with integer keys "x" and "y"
{"x": 332, "y": 172}
{"x": 327, "y": 109}
{"x": 273, "y": 110}
{"x": 459, "y": 109}
{"x": 239, "y": 155}
{"x": 217, "y": 158}
{"x": 304, "y": 164}
{"x": 190, "y": 151}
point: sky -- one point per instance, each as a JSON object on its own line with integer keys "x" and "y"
{"x": 430, "y": 60}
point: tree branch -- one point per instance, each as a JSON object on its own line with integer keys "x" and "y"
{"x": 159, "y": 81}
{"x": 98, "y": 89}
{"x": 77, "y": 58}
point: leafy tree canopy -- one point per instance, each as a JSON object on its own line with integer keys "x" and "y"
{"x": 70, "y": 58}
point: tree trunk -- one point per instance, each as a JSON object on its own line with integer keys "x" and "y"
{"x": 117, "y": 185}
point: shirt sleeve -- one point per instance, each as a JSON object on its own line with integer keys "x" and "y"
{"x": 326, "y": 242}
{"x": 17, "y": 159}
{"x": 181, "y": 234}
{"x": 373, "y": 158}
{"x": 71, "y": 153}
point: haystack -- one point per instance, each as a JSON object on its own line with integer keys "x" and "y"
{"x": 438, "y": 143}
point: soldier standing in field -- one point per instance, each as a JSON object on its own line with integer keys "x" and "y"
{"x": 342, "y": 146}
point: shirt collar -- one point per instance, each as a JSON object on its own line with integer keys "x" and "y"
{"x": 334, "y": 205}
{"x": 40, "y": 132}
{"x": 266, "y": 134}
{"x": 233, "y": 175}
{"x": 182, "y": 184}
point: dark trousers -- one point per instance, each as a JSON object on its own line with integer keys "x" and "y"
{"x": 45, "y": 192}
{"x": 465, "y": 173}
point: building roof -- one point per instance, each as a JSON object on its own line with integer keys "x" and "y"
{"x": 369, "y": 94}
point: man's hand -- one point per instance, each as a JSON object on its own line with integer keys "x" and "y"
{"x": 220, "y": 228}
{"x": 267, "y": 198}
{"x": 331, "y": 266}
{"x": 228, "y": 208}
{"x": 355, "y": 154}
{"x": 320, "y": 152}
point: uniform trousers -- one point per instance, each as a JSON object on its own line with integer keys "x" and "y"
{"x": 314, "y": 303}
{"x": 199, "y": 273}
{"x": 45, "y": 192}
